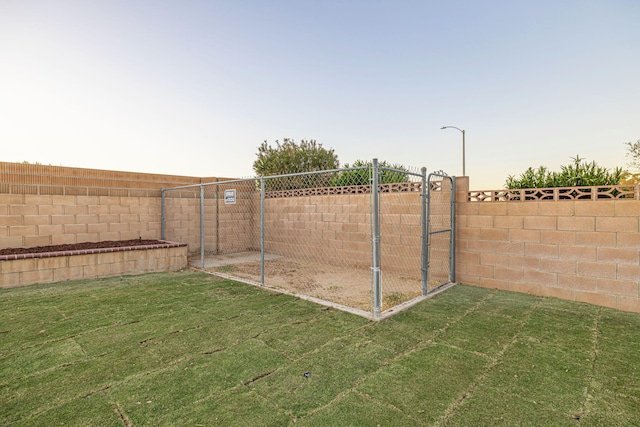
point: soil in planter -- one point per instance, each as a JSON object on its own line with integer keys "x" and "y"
{"x": 80, "y": 246}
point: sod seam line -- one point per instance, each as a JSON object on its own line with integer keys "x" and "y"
{"x": 39, "y": 344}
{"x": 628, "y": 396}
{"x": 123, "y": 417}
{"x": 317, "y": 350}
{"x": 417, "y": 347}
{"x": 386, "y": 405}
{"x": 249, "y": 390}
{"x": 438, "y": 333}
{"x": 259, "y": 377}
{"x": 594, "y": 361}
{"x": 105, "y": 388}
{"x": 494, "y": 361}
{"x": 53, "y": 368}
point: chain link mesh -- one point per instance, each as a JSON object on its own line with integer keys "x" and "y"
{"x": 401, "y": 239}
{"x": 440, "y": 230}
{"x": 322, "y": 233}
{"x": 318, "y": 232}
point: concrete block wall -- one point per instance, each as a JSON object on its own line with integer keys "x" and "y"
{"x": 238, "y": 224}
{"x": 580, "y": 250}
{"x": 20, "y": 178}
{"x": 228, "y": 228}
{"x": 583, "y": 250}
{"x": 50, "y": 205}
{"x": 29, "y": 271}
{"x": 400, "y": 232}
{"x": 40, "y": 220}
{"x": 182, "y": 220}
{"x": 326, "y": 228}
{"x": 337, "y": 229}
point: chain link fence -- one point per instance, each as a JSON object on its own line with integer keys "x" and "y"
{"x": 440, "y": 229}
{"x": 325, "y": 235}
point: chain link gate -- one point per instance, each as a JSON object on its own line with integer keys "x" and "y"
{"x": 327, "y": 236}
{"x": 440, "y": 228}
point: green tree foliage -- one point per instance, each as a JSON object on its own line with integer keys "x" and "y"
{"x": 629, "y": 178}
{"x": 577, "y": 174}
{"x": 290, "y": 157}
{"x": 633, "y": 154}
{"x": 309, "y": 156}
{"x": 363, "y": 176}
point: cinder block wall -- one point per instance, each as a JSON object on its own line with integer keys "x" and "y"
{"x": 335, "y": 228}
{"x": 182, "y": 219}
{"x": 30, "y": 271}
{"x": 400, "y": 232}
{"x": 580, "y": 250}
{"x": 49, "y": 205}
{"x": 238, "y": 224}
{"x": 40, "y": 220}
{"x": 228, "y": 228}
{"x": 324, "y": 228}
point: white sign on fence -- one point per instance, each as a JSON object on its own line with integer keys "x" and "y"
{"x": 230, "y": 197}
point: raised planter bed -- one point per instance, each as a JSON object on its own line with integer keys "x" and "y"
{"x": 48, "y": 264}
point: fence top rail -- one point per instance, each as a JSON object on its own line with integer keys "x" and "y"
{"x": 268, "y": 177}
{"x": 405, "y": 172}
{"x": 439, "y": 174}
{"x": 605, "y": 192}
{"x": 287, "y": 175}
{"x": 226, "y": 181}
{"x": 258, "y": 178}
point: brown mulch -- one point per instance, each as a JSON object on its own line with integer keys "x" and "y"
{"x": 80, "y": 246}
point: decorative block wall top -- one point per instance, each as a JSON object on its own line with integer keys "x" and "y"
{"x": 621, "y": 192}
{"x": 401, "y": 187}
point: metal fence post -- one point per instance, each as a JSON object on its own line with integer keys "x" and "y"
{"x": 202, "y": 225}
{"x": 428, "y": 229}
{"x": 162, "y": 216}
{"x": 452, "y": 244}
{"x": 377, "y": 285}
{"x": 423, "y": 226}
{"x": 262, "y": 193}
{"x": 217, "y": 248}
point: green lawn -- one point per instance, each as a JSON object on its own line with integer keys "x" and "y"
{"x": 190, "y": 349}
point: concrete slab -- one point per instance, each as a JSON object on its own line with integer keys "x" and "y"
{"x": 229, "y": 259}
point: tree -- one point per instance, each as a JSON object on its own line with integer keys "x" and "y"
{"x": 577, "y": 174}
{"x": 629, "y": 178}
{"x": 291, "y": 158}
{"x": 363, "y": 176}
{"x": 633, "y": 154}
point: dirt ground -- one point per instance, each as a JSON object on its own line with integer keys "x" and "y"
{"x": 346, "y": 286}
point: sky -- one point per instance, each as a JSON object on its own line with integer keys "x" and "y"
{"x": 194, "y": 87}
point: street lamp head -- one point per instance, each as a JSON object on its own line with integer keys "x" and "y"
{"x": 464, "y": 172}
{"x": 452, "y": 127}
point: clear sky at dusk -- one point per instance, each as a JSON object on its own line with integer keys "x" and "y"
{"x": 193, "y": 87}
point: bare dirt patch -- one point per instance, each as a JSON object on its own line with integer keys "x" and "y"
{"x": 347, "y": 286}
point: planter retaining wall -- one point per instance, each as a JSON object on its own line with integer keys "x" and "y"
{"x": 29, "y": 269}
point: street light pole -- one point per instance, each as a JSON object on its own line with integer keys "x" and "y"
{"x": 464, "y": 173}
